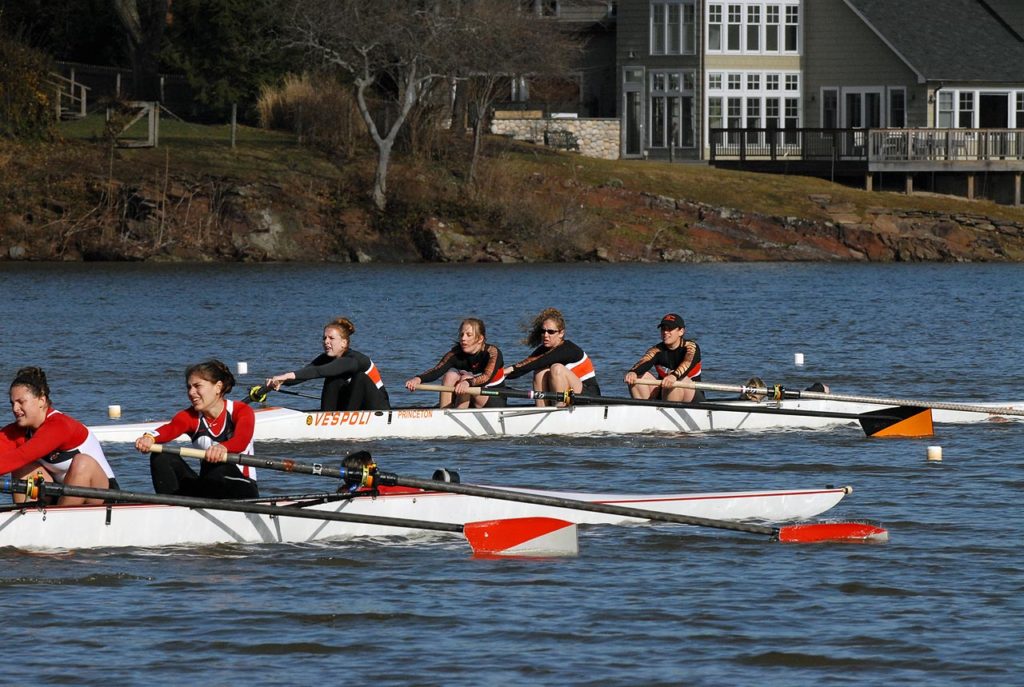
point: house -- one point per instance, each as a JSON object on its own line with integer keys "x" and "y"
{"x": 916, "y": 63}
{"x": 878, "y": 70}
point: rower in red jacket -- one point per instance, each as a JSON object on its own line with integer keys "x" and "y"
{"x": 557, "y": 364}
{"x": 213, "y": 423}
{"x": 43, "y": 441}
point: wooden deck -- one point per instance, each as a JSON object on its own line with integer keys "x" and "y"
{"x": 846, "y": 153}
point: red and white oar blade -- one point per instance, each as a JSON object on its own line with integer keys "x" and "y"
{"x": 540, "y": 537}
{"x": 833, "y": 531}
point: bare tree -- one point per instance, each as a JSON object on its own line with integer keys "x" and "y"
{"x": 391, "y": 49}
{"x": 144, "y": 22}
{"x": 502, "y": 42}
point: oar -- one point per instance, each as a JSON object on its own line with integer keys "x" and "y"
{"x": 258, "y": 394}
{"x": 487, "y": 538}
{"x": 898, "y": 421}
{"x": 796, "y": 533}
{"x": 778, "y": 392}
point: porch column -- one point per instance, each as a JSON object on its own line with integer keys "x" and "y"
{"x": 909, "y": 184}
{"x": 970, "y": 187}
{"x": 1016, "y": 189}
{"x": 869, "y": 180}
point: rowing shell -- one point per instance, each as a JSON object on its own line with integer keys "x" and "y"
{"x": 139, "y": 525}
{"x": 284, "y": 424}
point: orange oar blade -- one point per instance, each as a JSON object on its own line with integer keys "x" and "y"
{"x": 916, "y": 422}
{"x": 522, "y": 537}
{"x": 833, "y": 531}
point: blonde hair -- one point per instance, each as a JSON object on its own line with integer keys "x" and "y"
{"x": 534, "y": 336}
{"x": 478, "y": 326}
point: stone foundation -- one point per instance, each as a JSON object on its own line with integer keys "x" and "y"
{"x": 597, "y": 137}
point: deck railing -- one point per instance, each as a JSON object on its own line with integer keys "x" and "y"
{"x": 898, "y": 145}
{"x": 868, "y": 145}
{"x": 788, "y": 144}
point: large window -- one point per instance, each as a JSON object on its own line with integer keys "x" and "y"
{"x": 771, "y": 30}
{"x": 753, "y": 100}
{"x": 714, "y": 27}
{"x": 671, "y": 109}
{"x": 673, "y": 27}
{"x": 792, "y": 28}
{"x": 965, "y": 111}
{"x": 830, "y": 108}
{"x": 945, "y": 115}
{"x": 897, "y": 108}
{"x": 754, "y": 26}
{"x": 733, "y": 30}
{"x": 1020, "y": 110}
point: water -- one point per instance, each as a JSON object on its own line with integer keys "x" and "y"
{"x": 659, "y": 605}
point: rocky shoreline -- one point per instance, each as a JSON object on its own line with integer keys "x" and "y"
{"x": 226, "y": 220}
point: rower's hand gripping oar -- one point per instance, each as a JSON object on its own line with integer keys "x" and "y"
{"x": 893, "y": 422}
{"x": 258, "y": 394}
{"x": 531, "y": 536}
{"x": 370, "y": 476}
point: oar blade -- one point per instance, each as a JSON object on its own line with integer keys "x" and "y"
{"x": 815, "y": 532}
{"x": 530, "y": 537}
{"x": 915, "y": 422}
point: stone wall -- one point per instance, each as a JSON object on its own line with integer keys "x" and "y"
{"x": 597, "y": 137}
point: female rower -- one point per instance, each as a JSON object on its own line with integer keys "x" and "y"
{"x": 351, "y": 380}
{"x": 557, "y": 364}
{"x": 45, "y": 442}
{"x": 213, "y": 423}
{"x": 470, "y": 362}
{"x": 673, "y": 359}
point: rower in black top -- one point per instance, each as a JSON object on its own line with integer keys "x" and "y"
{"x": 675, "y": 358}
{"x": 557, "y": 364}
{"x": 351, "y": 380}
{"x": 470, "y": 362}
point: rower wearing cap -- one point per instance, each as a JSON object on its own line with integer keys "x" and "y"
{"x": 557, "y": 364}
{"x": 675, "y": 358}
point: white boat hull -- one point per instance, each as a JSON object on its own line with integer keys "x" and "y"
{"x": 284, "y": 424}
{"x": 139, "y": 525}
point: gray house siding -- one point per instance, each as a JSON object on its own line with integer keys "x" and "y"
{"x": 841, "y": 51}
{"x": 633, "y": 52}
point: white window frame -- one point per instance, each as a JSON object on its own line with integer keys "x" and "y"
{"x": 738, "y": 104}
{"x": 747, "y": 27}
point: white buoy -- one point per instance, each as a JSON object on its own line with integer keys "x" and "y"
{"x": 798, "y": 358}
{"x": 242, "y": 368}
{"x": 114, "y": 412}
{"x": 935, "y": 453}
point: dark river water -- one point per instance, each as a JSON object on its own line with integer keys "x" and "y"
{"x": 941, "y": 603}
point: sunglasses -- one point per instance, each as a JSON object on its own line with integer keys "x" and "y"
{"x": 551, "y": 331}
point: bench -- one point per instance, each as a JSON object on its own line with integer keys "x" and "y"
{"x": 561, "y": 138}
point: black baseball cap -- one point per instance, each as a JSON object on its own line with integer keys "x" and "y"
{"x": 671, "y": 321}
